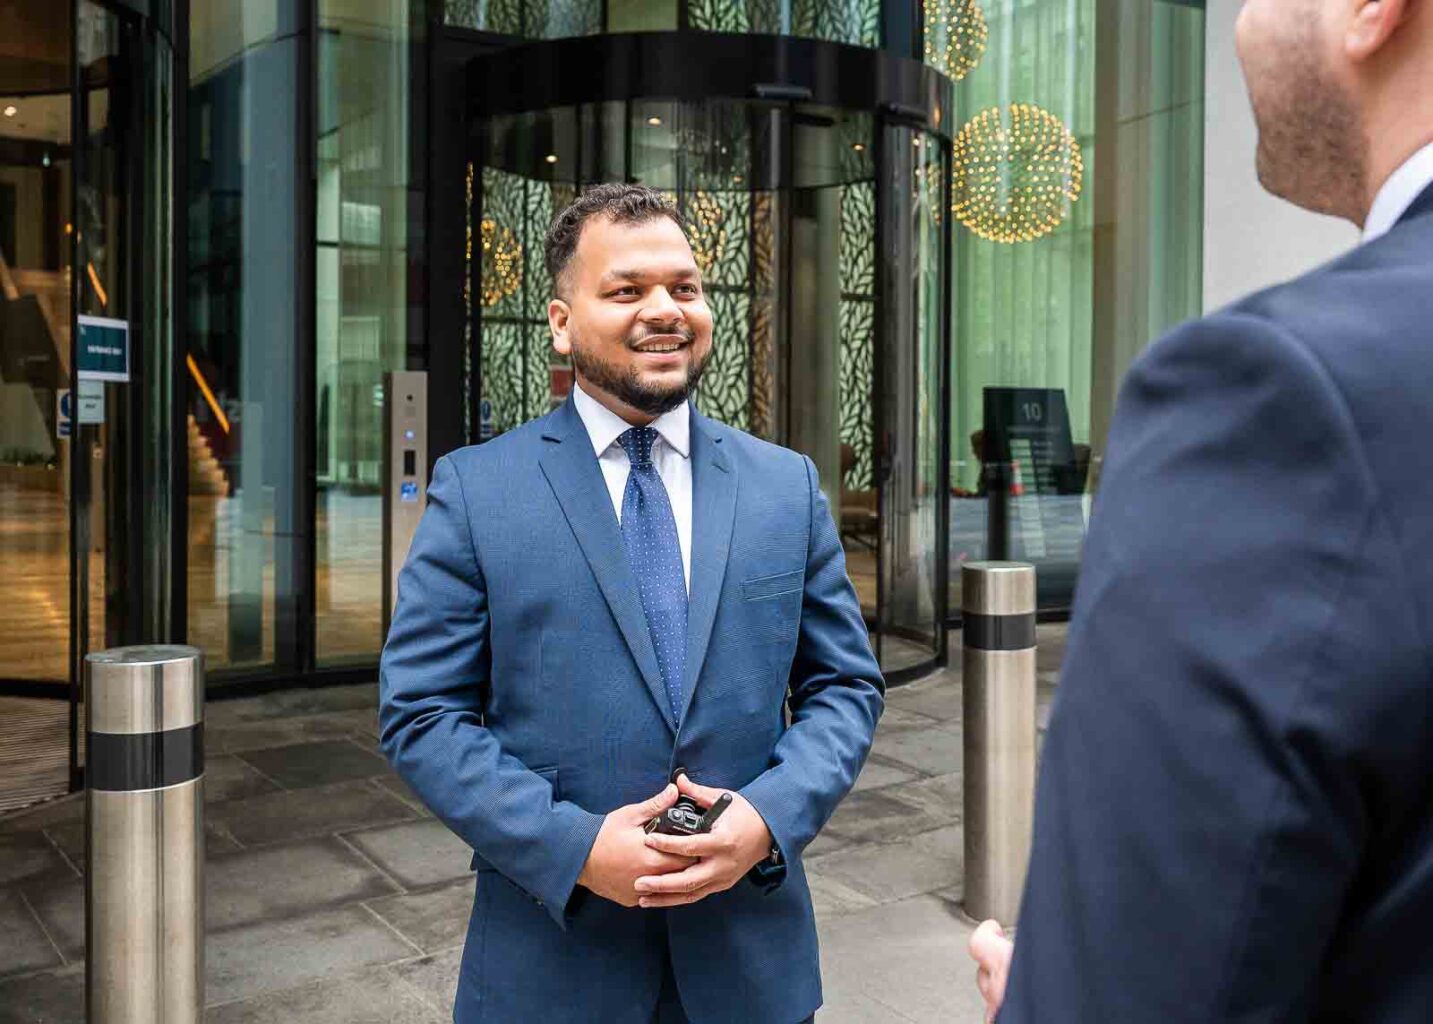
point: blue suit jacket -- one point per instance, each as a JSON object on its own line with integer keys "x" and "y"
{"x": 1235, "y": 809}
{"x": 522, "y": 700}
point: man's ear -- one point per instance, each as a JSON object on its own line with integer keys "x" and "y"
{"x": 558, "y": 313}
{"x": 1372, "y": 26}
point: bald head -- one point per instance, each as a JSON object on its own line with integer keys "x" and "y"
{"x": 1342, "y": 92}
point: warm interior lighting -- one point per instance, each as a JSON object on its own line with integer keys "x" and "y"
{"x": 1015, "y": 173}
{"x": 208, "y": 395}
{"x": 551, "y": 158}
{"x": 501, "y": 273}
{"x": 859, "y": 147}
{"x": 956, "y": 34}
{"x": 99, "y": 288}
{"x": 655, "y": 122}
{"x": 707, "y": 228}
{"x": 11, "y": 110}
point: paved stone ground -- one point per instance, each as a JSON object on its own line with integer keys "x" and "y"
{"x": 334, "y": 897}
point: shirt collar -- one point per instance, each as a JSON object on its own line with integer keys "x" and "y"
{"x": 604, "y": 426}
{"x": 1398, "y": 193}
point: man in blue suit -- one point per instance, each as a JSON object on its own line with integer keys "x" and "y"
{"x": 614, "y": 591}
{"x": 1235, "y": 809}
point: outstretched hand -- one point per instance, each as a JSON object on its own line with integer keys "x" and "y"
{"x": 992, "y": 951}
{"x": 737, "y": 842}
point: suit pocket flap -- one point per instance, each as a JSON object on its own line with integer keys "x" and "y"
{"x": 773, "y": 586}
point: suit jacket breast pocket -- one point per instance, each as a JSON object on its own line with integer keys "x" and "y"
{"x": 766, "y": 588}
{"x": 773, "y": 605}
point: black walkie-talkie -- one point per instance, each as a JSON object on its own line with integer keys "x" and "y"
{"x": 685, "y": 817}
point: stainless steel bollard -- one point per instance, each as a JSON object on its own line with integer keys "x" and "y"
{"x": 144, "y": 839}
{"x": 999, "y": 702}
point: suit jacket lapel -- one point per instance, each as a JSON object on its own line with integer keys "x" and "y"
{"x": 576, "y": 479}
{"x": 713, "y": 513}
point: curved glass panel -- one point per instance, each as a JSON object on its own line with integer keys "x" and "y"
{"x": 36, "y": 180}
{"x": 857, "y": 22}
{"x": 528, "y": 19}
{"x": 912, "y": 243}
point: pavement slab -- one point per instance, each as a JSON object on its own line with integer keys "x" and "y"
{"x": 284, "y": 816}
{"x": 417, "y": 853}
{"x": 272, "y": 956}
{"x": 893, "y": 871}
{"x": 434, "y": 978}
{"x": 432, "y": 919}
{"x": 301, "y": 765}
{"x": 927, "y": 751}
{"x": 24, "y": 946}
{"x": 905, "y": 959}
{"x": 369, "y": 996}
{"x": 49, "y": 997}
{"x": 284, "y": 881}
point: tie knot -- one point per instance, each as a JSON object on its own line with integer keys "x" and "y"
{"x": 637, "y": 443}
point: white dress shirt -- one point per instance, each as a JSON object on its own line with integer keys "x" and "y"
{"x": 671, "y": 454}
{"x": 1398, "y": 193}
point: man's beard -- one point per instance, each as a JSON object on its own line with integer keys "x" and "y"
{"x": 1311, "y": 145}
{"x": 626, "y": 385}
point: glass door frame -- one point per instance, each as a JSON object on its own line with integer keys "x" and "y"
{"x": 153, "y": 605}
{"x": 893, "y": 119}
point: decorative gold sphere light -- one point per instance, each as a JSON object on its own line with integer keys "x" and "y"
{"x": 502, "y": 262}
{"x": 955, "y": 36}
{"x": 1014, "y": 177}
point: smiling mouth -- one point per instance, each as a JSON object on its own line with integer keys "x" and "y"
{"x": 663, "y": 347}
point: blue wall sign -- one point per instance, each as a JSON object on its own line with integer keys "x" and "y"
{"x": 104, "y": 349}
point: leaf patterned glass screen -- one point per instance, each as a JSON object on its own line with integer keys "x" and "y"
{"x": 736, "y": 235}
{"x": 857, "y": 22}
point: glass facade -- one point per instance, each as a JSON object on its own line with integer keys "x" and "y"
{"x": 361, "y": 312}
{"x": 935, "y": 301}
{"x": 248, "y": 340}
{"x": 36, "y": 179}
{"x": 1056, "y": 290}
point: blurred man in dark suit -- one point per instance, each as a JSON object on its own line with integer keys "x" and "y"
{"x": 1235, "y": 811}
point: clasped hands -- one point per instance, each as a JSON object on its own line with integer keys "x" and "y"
{"x": 634, "y": 868}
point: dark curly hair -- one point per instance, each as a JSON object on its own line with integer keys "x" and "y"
{"x": 625, "y": 204}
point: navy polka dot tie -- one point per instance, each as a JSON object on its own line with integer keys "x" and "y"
{"x": 649, "y": 532}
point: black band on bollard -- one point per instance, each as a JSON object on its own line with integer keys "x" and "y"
{"x": 999, "y": 632}
{"x": 125, "y": 762}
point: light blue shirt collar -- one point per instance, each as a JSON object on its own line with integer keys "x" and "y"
{"x": 604, "y": 426}
{"x": 1398, "y": 193}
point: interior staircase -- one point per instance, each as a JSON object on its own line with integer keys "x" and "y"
{"x": 206, "y": 476}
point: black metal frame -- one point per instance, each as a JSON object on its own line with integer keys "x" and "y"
{"x": 657, "y": 65}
